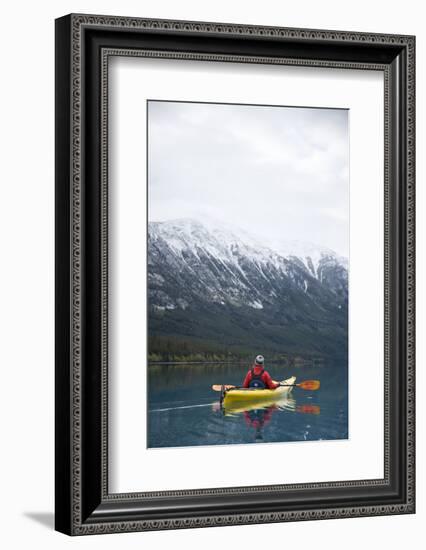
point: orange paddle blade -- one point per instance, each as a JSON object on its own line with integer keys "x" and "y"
{"x": 219, "y": 387}
{"x": 309, "y": 385}
{"x": 308, "y": 409}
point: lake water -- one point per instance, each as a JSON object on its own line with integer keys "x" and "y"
{"x": 183, "y": 410}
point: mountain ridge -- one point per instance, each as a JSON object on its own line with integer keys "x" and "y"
{"x": 203, "y": 278}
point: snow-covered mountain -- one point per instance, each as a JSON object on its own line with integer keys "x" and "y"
{"x": 230, "y": 266}
{"x": 203, "y": 273}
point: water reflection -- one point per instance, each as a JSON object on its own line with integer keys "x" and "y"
{"x": 184, "y": 411}
{"x": 287, "y": 402}
{"x": 257, "y": 417}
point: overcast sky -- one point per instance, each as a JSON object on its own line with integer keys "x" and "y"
{"x": 280, "y": 173}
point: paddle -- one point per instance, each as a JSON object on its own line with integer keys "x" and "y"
{"x": 308, "y": 409}
{"x": 310, "y": 385}
{"x": 220, "y": 387}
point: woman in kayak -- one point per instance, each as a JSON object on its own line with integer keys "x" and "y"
{"x": 258, "y": 377}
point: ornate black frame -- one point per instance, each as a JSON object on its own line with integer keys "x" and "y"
{"x": 83, "y": 46}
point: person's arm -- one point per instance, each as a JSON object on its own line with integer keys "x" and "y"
{"x": 270, "y": 384}
{"x": 247, "y": 379}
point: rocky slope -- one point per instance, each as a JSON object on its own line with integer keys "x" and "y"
{"x": 207, "y": 283}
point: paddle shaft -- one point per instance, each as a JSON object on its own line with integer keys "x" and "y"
{"x": 306, "y": 385}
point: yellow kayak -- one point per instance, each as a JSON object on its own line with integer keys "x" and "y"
{"x": 240, "y": 398}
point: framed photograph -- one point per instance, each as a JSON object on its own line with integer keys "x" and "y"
{"x": 234, "y": 274}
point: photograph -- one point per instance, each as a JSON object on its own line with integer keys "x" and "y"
{"x": 248, "y": 273}
{"x": 235, "y": 274}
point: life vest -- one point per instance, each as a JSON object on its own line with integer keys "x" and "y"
{"x": 256, "y": 380}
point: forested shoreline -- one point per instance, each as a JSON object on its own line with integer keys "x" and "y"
{"x": 176, "y": 350}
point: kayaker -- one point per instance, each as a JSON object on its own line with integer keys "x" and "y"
{"x": 258, "y": 377}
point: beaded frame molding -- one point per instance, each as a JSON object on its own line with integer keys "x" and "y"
{"x": 84, "y": 44}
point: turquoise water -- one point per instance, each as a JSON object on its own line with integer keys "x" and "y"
{"x": 184, "y": 411}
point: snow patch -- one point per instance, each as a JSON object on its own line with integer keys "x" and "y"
{"x": 232, "y": 247}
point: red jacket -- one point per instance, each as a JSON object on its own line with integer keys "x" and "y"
{"x": 266, "y": 378}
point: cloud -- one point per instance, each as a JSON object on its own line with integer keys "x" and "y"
{"x": 274, "y": 171}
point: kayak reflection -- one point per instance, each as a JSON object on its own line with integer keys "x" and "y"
{"x": 286, "y": 403}
{"x": 258, "y": 416}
